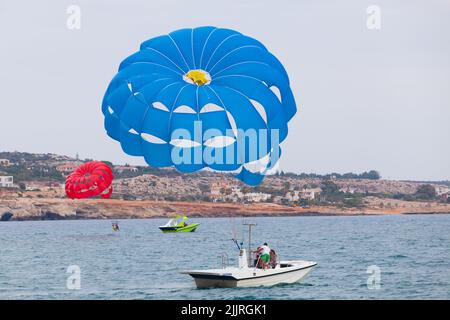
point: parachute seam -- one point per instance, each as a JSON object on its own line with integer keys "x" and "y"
{"x": 247, "y": 46}
{"x": 223, "y": 105}
{"x": 146, "y": 112}
{"x": 162, "y": 54}
{"x": 246, "y": 76}
{"x": 238, "y": 75}
{"x": 148, "y": 105}
{"x": 218, "y": 46}
{"x": 204, "y": 45}
{"x": 179, "y": 51}
{"x": 198, "y": 119}
{"x": 259, "y": 80}
{"x": 266, "y": 124}
{"x": 169, "y": 124}
{"x": 156, "y": 64}
{"x": 130, "y": 63}
{"x": 192, "y": 47}
{"x": 119, "y": 77}
{"x": 127, "y": 81}
{"x": 242, "y": 62}
{"x": 242, "y": 94}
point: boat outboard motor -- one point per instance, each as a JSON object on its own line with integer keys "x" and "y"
{"x": 243, "y": 262}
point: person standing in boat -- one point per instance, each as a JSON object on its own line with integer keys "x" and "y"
{"x": 273, "y": 259}
{"x": 264, "y": 255}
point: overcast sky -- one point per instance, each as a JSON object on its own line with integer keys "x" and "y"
{"x": 368, "y": 99}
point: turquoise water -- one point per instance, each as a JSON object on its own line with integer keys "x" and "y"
{"x": 139, "y": 262}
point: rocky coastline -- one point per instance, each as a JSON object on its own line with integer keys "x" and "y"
{"x": 22, "y": 209}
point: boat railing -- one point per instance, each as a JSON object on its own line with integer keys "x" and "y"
{"x": 225, "y": 260}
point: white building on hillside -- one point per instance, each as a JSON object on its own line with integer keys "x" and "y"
{"x": 293, "y": 195}
{"x": 236, "y": 194}
{"x": 310, "y": 194}
{"x": 6, "y": 182}
{"x": 223, "y": 191}
{"x": 440, "y": 190}
{"x": 68, "y": 167}
{"x": 296, "y": 195}
{"x": 122, "y": 169}
{"x": 256, "y": 196}
{"x": 347, "y": 190}
{"x": 4, "y": 163}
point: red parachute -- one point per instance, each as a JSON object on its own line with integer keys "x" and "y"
{"x": 90, "y": 179}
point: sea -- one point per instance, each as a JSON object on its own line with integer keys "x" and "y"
{"x": 359, "y": 257}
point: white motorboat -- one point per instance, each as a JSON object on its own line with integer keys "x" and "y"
{"x": 248, "y": 276}
{"x": 245, "y": 276}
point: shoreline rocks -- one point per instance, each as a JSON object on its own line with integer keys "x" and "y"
{"x": 21, "y": 209}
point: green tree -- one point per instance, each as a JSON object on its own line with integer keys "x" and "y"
{"x": 353, "y": 202}
{"x": 108, "y": 163}
{"x": 374, "y": 175}
{"x": 204, "y": 187}
{"x": 425, "y": 192}
{"x": 329, "y": 187}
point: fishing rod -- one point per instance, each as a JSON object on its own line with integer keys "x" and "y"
{"x": 239, "y": 246}
{"x": 234, "y": 234}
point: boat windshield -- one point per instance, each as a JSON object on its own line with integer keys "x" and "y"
{"x": 177, "y": 221}
{"x": 171, "y": 223}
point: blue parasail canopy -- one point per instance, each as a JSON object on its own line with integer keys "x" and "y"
{"x": 201, "y": 98}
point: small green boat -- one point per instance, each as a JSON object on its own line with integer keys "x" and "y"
{"x": 178, "y": 224}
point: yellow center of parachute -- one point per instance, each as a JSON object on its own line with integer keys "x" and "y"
{"x": 199, "y": 77}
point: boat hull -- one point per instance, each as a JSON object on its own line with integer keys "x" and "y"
{"x": 251, "y": 277}
{"x": 203, "y": 283}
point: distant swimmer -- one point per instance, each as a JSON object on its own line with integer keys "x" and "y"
{"x": 115, "y": 226}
